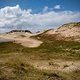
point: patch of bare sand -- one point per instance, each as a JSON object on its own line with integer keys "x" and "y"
{"x": 22, "y": 38}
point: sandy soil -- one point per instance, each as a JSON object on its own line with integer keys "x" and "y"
{"x": 66, "y": 33}
{"x": 21, "y": 38}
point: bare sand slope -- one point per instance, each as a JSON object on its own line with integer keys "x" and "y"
{"x": 22, "y": 38}
{"x": 68, "y": 32}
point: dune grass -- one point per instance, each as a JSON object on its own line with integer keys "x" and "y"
{"x": 15, "y": 68}
{"x": 47, "y": 50}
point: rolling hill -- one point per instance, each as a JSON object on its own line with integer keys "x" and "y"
{"x": 67, "y": 32}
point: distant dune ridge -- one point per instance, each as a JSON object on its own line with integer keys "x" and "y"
{"x": 70, "y": 31}
{"x": 66, "y": 32}
{"x": 20, "y": 31}
{"x": 21, "y": 37}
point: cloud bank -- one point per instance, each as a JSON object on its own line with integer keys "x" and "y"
{"x": 16, "y": 18}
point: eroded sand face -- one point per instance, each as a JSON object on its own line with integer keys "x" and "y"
{"x": 22, "y": 38}
{"x": 66, "y": 33}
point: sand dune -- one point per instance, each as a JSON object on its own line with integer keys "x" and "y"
{"x": 22, "y": 38}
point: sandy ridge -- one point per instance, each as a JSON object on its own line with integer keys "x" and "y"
{"x": 22, "y": 38}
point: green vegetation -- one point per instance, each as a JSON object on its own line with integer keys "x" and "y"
{"x": 48, "y": 50}
{"x": 13, "y": 65}
{"x": 58, "y": 49}
{"x": 74, "y": 24}
{"x": 20, "y": 31}
{"x": 77, "y": 24}
{"x": 18, "y": 70}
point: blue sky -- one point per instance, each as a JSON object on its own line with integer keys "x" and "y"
{"x": 37, "y": 15}
{"x": 37, "y": 5}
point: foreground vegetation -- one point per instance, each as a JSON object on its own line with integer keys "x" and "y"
{"x": 13, "y": 65}
{"x": 47, "y": 50}
{"x": 16, "y": 69}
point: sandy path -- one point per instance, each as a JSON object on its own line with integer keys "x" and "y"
{"x": 22, "y": 38}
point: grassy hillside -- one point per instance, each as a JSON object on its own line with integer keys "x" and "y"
{"x": 14, "y": 67}
{"x": 48, "y": 50}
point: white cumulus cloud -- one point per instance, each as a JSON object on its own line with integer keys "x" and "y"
{"x": 16, "y": 18}
{"x": 57, "y": 7}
